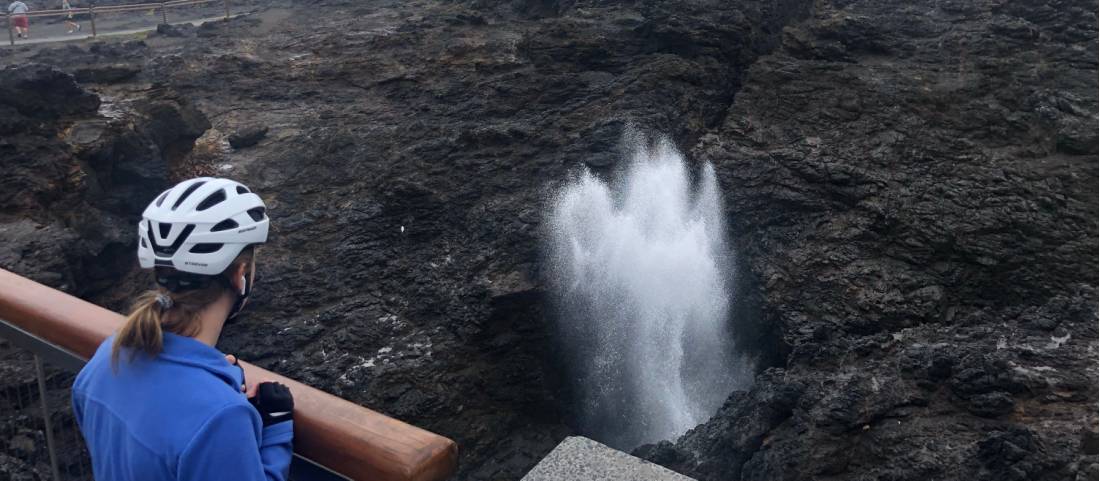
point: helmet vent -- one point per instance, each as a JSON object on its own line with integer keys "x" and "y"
{"x": 160, "y": 200}
{"x": 212, "y": 200}
{"x": 242, "y": 189}
{"x": 170, "y": 250}
{"x": 257, "y": 213}
{"x": 224, "y": 225}
{"x": 165, "y": 228}
{"x": 186, "y": 193}
{"x": 144, "y": 244}
{"x": 205, "y": 248}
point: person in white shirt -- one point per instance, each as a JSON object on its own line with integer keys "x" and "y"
{"x": 18, "y": 12}
{"x": 70, "y": 21}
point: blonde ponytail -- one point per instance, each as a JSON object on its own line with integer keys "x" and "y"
{"x": 141, "y": 331}
{"x": 144, "y": 328}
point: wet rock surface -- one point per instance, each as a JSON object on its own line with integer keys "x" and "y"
{"x": 912, "y": 187}
{"x": 916, "y": 189}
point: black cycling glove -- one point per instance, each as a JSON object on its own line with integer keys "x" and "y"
{"x": 274, "y": 402}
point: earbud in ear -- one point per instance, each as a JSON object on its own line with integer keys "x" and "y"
{"x": 244, "y": 286}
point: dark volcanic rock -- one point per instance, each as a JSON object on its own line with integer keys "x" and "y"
{"x": 38, "y": 91}
{"x": 248, "y": 136}
{"x": 72, "y": 184}
{"x": 98, "y": 62}
{"x": 173, "y": 30}
{"x": 917, "y": 194}
{"x": 106, "y": 74}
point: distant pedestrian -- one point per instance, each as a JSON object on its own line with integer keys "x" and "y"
{"x": 18, "y": 12}
{"x": 70, "y": 20}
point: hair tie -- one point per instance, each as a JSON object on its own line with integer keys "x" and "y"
{"x": 164, "y": 301}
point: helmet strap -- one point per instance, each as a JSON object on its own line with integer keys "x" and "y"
{"x": 242, "y": 296}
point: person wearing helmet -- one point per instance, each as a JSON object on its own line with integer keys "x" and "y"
{"x": 157, "y": 401}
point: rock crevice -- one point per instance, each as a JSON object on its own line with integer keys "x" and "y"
{"x": 914, "y": 186}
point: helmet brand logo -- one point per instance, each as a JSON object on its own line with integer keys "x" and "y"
{"x": 246, "y": 229}
{"x": 195, "y": 264}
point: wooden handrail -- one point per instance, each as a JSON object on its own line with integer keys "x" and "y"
{"x": 341, "y": 436}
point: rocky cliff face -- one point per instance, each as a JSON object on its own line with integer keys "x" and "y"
{"x": 73, "y": 167}
{"x": 912, "y": 188}
{"x": 915, "y": 186}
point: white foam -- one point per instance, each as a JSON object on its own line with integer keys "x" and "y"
{"x": 641, "y": 269}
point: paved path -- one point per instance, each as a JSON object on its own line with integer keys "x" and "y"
{"x": 86, "y": 33}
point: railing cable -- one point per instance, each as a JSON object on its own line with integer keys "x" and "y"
{"x": 50, "y": 445}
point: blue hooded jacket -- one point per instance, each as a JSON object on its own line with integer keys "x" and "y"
{"x": 179, "y": 416}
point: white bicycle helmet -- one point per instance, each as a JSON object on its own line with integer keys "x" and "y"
{"x": 200, "y": 226}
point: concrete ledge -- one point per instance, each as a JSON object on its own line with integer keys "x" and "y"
{"x": 582, "y": 459}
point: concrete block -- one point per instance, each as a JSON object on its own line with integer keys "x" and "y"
{"x": 581, "y": 459}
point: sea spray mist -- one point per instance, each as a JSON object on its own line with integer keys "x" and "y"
{"x": 641, "y": 274}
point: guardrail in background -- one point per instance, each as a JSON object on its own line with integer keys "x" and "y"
{"x": 340, "y": 436}
{"x": 93, "y": 11}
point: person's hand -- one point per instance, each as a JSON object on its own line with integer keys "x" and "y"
{"x": 273, "y": 401}
{"x": 233, "y": 360}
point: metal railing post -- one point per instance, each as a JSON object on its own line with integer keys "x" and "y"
{"x": 164, "y": 12}
{"x": 11, "y": 31}
{"x": 91, "y": 10}
{"x": 46, "y": 417}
